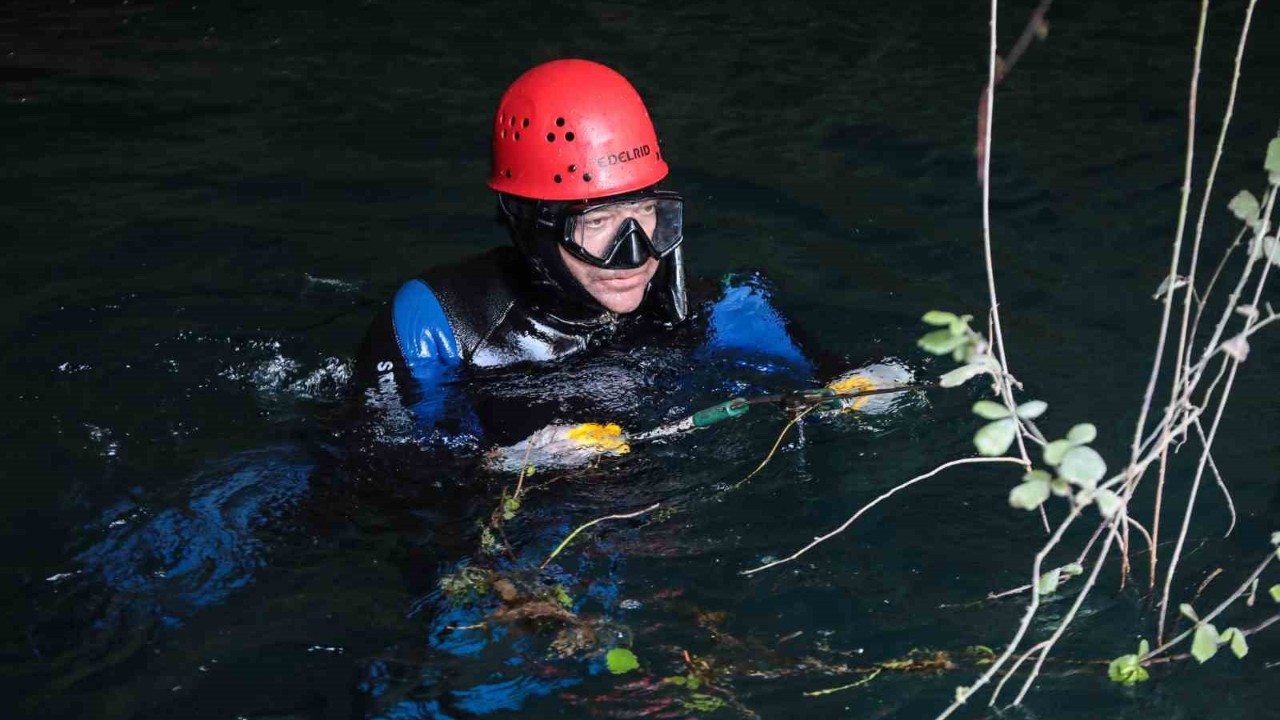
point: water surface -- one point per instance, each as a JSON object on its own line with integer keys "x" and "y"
{"x": 205, "y": 203}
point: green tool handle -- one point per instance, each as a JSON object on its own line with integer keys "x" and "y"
{"x": 723, "y": 411}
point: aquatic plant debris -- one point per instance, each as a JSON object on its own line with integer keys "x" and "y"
{"x": 621, "y": 660}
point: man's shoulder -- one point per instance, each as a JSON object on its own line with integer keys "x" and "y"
{"x": 473, "y": 293}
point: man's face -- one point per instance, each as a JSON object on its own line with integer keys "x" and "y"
{"x": 620, "y": 291}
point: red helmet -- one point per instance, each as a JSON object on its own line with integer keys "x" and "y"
{"x": 573, "y": 130}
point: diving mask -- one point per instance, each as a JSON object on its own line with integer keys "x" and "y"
{"x": 621, "y": 233}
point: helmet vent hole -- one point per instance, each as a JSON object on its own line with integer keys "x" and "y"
{"x": 517, "y": 134}
{"x": 551, "y": 137}
{"x": 504, "y": 134}
{"x": 586, "y": 177}
{"x": 507, "y": 172}
{"x": 513, "y": 121}
{"x": 523, "y": 124}
{"x": 559, "y": 122}
{"x": 573, "y": 168}
{"x": 557, "y": 178}
{"x": 568, "y": 137}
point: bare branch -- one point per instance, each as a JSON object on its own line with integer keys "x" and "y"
{"x": 823, "y": 538}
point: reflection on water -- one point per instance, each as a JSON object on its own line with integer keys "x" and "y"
{"x": 169, "y": 562}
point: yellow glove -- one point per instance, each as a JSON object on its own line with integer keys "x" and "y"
{"x": 851, "y": 382}
{"x": 561, "y": 446}
{"x": 871, "y": 377}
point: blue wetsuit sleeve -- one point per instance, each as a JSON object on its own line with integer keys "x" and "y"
{"x": 428, "y": 346}
{"x": 745, "y": 325}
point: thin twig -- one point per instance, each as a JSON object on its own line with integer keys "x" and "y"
{"x": 1215, "y": 612}
{"x": 997, "y": 335}
{"x": 776, "y": 444}
{"x": 1233, "y": 364}
{"x": 574, "y": 534}
{"x": 823, "y": 538}
{"x": 859, "y": 683}
{"x": 1208, "y": 290}
{"x": 1208, "y": 188}
{"x": 524, "y": 464}
{"x": 1071, "y": 613}
{"x": 1156, "y": 362}
{"x": 1191, "y": 498}
{"x": 1205, "y": 584}
{"x": 1027, "y": 616}
{"x": 1033, "y": 28}
{"x": 1226, "y": 494}
{"x": 1184, "y": 340}
{"x": 1141, "y": 530}
{"x": 1017, "y": 664}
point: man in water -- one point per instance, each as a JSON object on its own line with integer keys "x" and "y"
{"x": 597, "y": 263}
{"x": 534, "y": 348}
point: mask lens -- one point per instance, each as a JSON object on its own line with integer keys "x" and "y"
{"x": 595, "y": 232}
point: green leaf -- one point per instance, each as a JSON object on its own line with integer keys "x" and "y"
{"x": 1054, "y": 451}
{"x": 693, "y": 682}
{"x": 1032, "y": 409}
{"x": 940, "y": 318}
{"x": 960, "y": 325}
{"x": 1275, "y": 539}
{"x": 988, "y": 410}
{"x": 1143, "y": 647}
{"x": 1108, "y": 503}
{"x": 1029, "y": 495}
{"x": 1188, "y": 612}
{"x": 994, "y": 438}
{"x": 1235, "y": 639}
{"x": 1271, "y": 249}
{"x": 1060, "y": 487}
{"x": 940, "y": 342}
{"x": 1082, "y": 466}
{"x": 1048, "y": 582}
{"x": 1072, "y": 569}
{"x": 702, "y": 703}
{"x": 674, "y": 680}
{"x": 1127, "y": 671}
{"x": 1082, "y": 434}
{"x": 1037, "y": 474}
{"x": 963, "y": 374}
{"x": 621, "y": 660}
{"x": 1245, "y": 207}
{"x": 1275, "y": 593}
{"x": 1272, "y": 163}
{"x": 1205, "y": 643}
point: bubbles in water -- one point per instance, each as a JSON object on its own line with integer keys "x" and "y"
{"x": 103, "y": 437}
{"x": 332, "y": 283}
{"x": 278, "y": 374}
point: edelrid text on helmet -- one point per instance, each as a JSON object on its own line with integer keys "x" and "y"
{"x": 573, "y": 130}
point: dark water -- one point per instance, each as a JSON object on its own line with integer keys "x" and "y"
{"x": 205, "y": 203}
